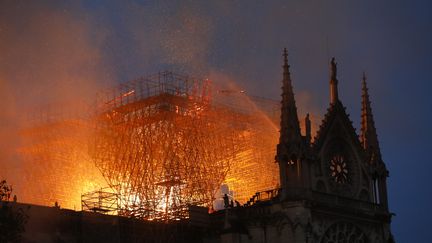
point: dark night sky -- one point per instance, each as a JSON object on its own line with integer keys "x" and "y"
{"x": 56, "y": 50}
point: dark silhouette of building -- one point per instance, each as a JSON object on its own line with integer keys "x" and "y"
{"x": 333, "y": 189}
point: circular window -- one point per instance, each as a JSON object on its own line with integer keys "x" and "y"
{"x": 339, "y": 169}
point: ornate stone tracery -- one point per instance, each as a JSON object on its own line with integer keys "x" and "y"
{"x": 344, "y": 232}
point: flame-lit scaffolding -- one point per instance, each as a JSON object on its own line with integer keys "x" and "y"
{"x": 168, "y": 141}
{"x": 254, "y": 168}
{"x": 163, "y": 146}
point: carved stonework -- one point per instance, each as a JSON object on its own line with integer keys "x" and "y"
{"x": 340, "y": 177}
{"x": 318, "y": 228}
{"x": 344, "y": 232}
{"x": 341, "y": 168}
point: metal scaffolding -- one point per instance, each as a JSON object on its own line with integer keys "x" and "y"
{"x": 163, "y": 145}
{"x": 101, "y": 201}
{"x": 165, "y": 142}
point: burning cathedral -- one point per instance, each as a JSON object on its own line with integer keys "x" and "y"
{"x": 181, "y": 162}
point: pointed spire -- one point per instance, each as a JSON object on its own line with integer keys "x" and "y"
{"x": 368, "y": 137}
{"x": 286, "y": 73}
{"x": 290, "y": 136}
{"x": 308, "y": 128}
{"x": 333, "y": 82}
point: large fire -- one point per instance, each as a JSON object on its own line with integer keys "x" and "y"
{"x": 56, "y": 162}
{"x": 159, "y": 143}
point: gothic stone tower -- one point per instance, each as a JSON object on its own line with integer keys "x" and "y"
{"x": 336, "y": 185}
{"x": 332, "y": 189}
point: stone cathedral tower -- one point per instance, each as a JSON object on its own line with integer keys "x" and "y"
{"x": 332, "y": 189}
{"x": 337, "y": 182}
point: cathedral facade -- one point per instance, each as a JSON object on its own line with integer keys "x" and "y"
{"x": 332, "y": 189}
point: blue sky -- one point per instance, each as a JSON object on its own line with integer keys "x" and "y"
{"x": 55, "y": 50}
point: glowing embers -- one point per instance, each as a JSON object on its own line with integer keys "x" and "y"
{"x": 339, "y": 169}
